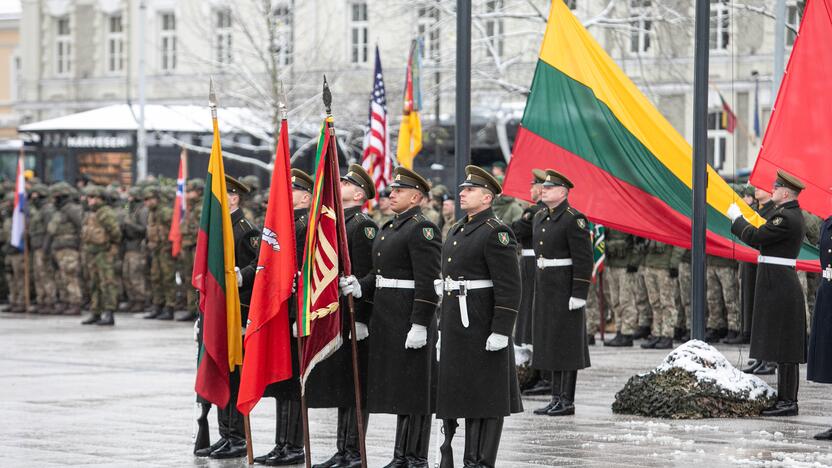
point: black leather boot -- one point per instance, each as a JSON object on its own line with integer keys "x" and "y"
{"x": 92, "y": 319}
{"x": 293, "y": 452}
{"x": 739, "y": 338}
{"x": 106, "y": 319}
{"x": 542, "y": 387}
{"x": 166, "y": 314}
{"x": 402, "y": 426}
{"x": 711, "y": 335}
{"x": 353, "y": 443}
{"x": 651, "y": 343}
{"x": 204, "y": 452}
{"x": 446, "y": 450}
{"x": 341, "y": 455}
{"x": 788, "y": 381}
{"x": 825, "y": 435}
{"x": 556, "y": 390}
{"x": 665, "y": 342}
{"x": 491, "y": 430}
{"x": 766, "y": 368}
{"x": 471, "y": 455}
{"x": 620, "y": 341}
{"x": 418, "y": 441}
{"x": 753, "y": 365}
{"x": 641, "y": 332}
{"x": 281, "y": 419}
{"x": 231, "y": 423}
{"x": 154, "y": 312}
{"x": 566, "y": 405}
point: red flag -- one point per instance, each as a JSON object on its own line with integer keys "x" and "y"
{"x": 798, "y": 139}
{"x": 326, "y": 257}
{"x": 179, "y": 208}
{"x": 729, "y": 119}
{"x": 268, "y": 355}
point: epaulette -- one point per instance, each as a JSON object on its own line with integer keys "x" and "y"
{"x": 572, "y": 212}
{"x": 495, "y": 223}
{"x": 419, "y": 218}
{"x": 364, "y": 217}
{"x": 246, "y": 224}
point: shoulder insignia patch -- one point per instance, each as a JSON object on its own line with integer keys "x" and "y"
{"x": 255, "y": 242}
{"x": 428, "y": 233}
{"x": 581, "y": 223}
{"x": 370, "y": 232}
{"x": 776, "y": 221}
{"x": 503, "y": 238}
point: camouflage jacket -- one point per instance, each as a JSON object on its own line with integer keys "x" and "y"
{"x": 190, "y": 226}
{"x": 64, "y": 229}
{"x": 38, "y": 224}
{"x": 158, "y": 228}
{"x": 101, "y": 231}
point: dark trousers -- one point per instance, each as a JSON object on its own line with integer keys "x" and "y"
{"x": 482, "y": 440}
{"x": 229, "y": 419}
{"x": 347, "y": 441}
{"x": 788, "y": 381}
{"x": 288, "y": 429}
{"x": 412, "y": 438}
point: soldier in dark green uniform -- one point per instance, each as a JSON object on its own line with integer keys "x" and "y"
{"x": 41, "y": 211}
{"x": 101, "y": 236}
{"x": 402, "y": 326}
{"x": 162, "y": 273}
{"x": 482, "y": 292}
{"x": 618, "y": 262}
{"x": 134, "y": 266}
{"x": 190, "y": 229}
{"x": 564, "y": 259}
{"x": 779, "y": 328}
{"x": 288, "y": 446}
{"x": 63, "y": 242}
{"x": 330, "y": 384}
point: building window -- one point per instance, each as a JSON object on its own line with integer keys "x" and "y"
{"x": 115, "y": 44}
{"x": 63, "y": 47}
{"x": 283, "y": 31}
{"x": 223, "y": 37}
{"x": 794, "y": 13}
{"x": 641, "y": 26}
{"x": 428, "y": 28}
{"x": 167, "y": 42}
{"x": 359, "y": 33}
{"x": 717, "y": 140}
{"x": 572, "y": 4}
{"x": 494, "y": 26}
{"x": 720, "y": 25}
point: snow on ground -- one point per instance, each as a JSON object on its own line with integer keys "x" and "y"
{"x": 708, "y": 364}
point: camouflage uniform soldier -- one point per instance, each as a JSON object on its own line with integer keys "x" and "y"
{"x": 383, "y": 213}
{"x": 190, "y": 229}
{"x": 13, "y": 261}
{"x": 101, "y": 236}
{"x": 134, "y": 266}
{"x": 41, "y": 210}
{"x": 63, "y": 242}
{"x": 639, "y": 290}
{"x": 619, "y": 268}
{"x": 661, "y": 269}
{"x": 685, "y": 312}
{"x": 506, "y": 208}
{"x": 723, "y": 299}
{"x": 813, "y": 225}
{"x": 162, "y": 274}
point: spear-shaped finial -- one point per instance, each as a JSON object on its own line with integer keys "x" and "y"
{"x": 281, "y": 100}
{"x": 212, "y": 97}
{"x": 327, "y": 98}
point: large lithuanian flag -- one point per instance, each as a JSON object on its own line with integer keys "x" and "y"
{"x": 221, "y": 349}
{"x": 632, "y": 170}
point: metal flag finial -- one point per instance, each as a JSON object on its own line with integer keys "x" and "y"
{"x": 327, "y": 98}
{"x": 281, "y": 100}
{"x": 212, "y": 97}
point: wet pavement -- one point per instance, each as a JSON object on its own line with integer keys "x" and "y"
{"x": 123, "y": 396}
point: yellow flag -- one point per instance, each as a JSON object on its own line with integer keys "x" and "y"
{"x": 410, "y": 139}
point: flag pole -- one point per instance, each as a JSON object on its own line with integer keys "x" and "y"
{"x": 249, "y": 448}
{"x": 359, "y": 414}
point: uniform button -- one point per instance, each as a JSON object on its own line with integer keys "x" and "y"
{"x": 449, "y": 259}
{"x": 378, "y": 254}
{"x": 449, "y": 293}
{"x": 378, "y": 271}
{"x": 454, "y": 242}
{"x": 382, "y": 237}
{"x": 544, "y": 229}
{"x": 541, "y": 242}
{"x": 461, "y": 229}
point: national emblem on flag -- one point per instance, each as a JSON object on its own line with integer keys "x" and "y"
{"x": 377, "y": 160}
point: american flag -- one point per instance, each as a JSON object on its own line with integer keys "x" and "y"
{"x": 377, "y": 159}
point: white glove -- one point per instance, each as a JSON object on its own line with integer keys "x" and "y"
{"x": 438, "y": 286}
{"x": 295, "y": 282}
{"x": 496, "y": 342}
{"x": 417, "y": 337}
{"x": 350, "y": 286}
{"x": 438, "y": 344}
{"x": 239, "y": 277}
{"x": 361, "y": 331}
{"x": 575, "y": 303}
{"x": 196, "y": 331}
{"x": 295, "y": 329}
{"x": 734, "y": 212}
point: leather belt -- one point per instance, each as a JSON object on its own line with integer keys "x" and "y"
{"x": 527, "y": 252}
{"x": 827, "y": 274}
{"x": 461, "y": 288}
{"x": 789, "y": 262}
{"x": 553, "y": 262}
{"x": 382, "y": 282}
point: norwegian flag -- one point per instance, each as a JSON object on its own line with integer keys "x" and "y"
{"x": 377, "y": 159}
{"x": 19, "y": 214}
{"x": 179, "y": 205}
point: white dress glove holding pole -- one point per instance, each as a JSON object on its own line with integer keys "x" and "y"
{"x": 438, "y": 344}
{"x": 239, "y": 277}
{"x": 295, "y": 329}
{"x": 350, "y": 286}
{"x": 734, "y": 212}
{"x": 496, "y": 342}
{"x": 417, "y": 337}
{"x": 361, "y": 331}
{"x": 438, "y": 287}
{"x": 575, "y": 303}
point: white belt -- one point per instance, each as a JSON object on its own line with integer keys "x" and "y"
{"x": 382, "y": 282}
{"x": 789, "y": 262}
{"x": 553, "y": 262}
{"x": 827, "y": 273}
{"x": 462, "y": 288}
{"x": 527, "y": 252}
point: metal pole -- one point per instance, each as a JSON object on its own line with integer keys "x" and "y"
{"x": 779, "y": 47}
{"x": 700, "y": 174}
{"x": 141, "y": 141}
{"x": 462, "y": 144}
